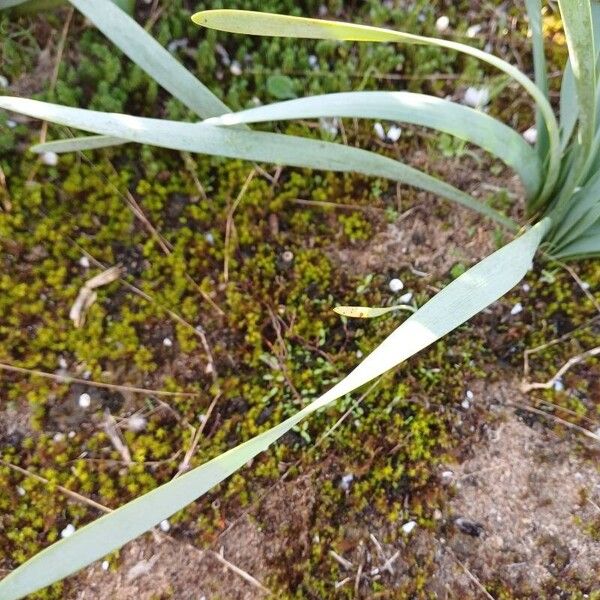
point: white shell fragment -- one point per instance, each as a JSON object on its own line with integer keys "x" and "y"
{"x": 85, "y": 400}
{"x": 50, "y": 159}
{"x": 442, "y": 24}
{"x": 68, "y": 531}
{"x": 394, "y": 133}
{"x": 530, "y": 135}
{"x": 165, "y": 525}
{"x": 476, "y": 97}
{"x": 379, "y": 130}
{"x": 396, "y": 285}
{"x": 409, "y": 526}
{"x": 516, "y": 309}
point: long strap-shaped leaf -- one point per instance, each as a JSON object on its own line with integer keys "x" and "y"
{"x": 419, "y": 109}
{"x": 150, "y": 56}
{"x": 249, "y": 145}
{"x": 534, "y": 12}
{"x": 577, "y": 22}
{"x": 587, "y": 246}
{"x": 459, "y": 301}
{"x": 256, "y": 23}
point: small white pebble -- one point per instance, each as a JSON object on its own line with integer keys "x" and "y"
{"x": 406, "y": 298}
{"x": 346, "y": 481}
{"x": 235, "y": 68}
{"x": 71, "y": 435}
{"x": 20, "y": 490}
{"x": 447, "y": 475}
{"x": 329, "y": 126}
{"x": 585, "y": 285}
{"x": 313, "y": 61}
{"x": 526, "y": 288}
{"x": 84, "y": 262}
{"x": 359, "y": 354}
{"x": 68, "y": 531}
{"x": 105, "y": 565}
{"x": 516, "y": 309}
{"x": 167, "y": 342}
{"x": 50, "y": 159}
{"x": 58, "y": 437}
{"x": 10, "y": 123}
{"x": 437, "y": 514}
{"x": 465, "y": 404}
{"x": 136, "y": 423}
{"x": 394, "y": 133}
{"x": 476, "y": 97}
{"x": 165, "y": 525}
{"x": 85, "y": 400}
{"x": 210, "y": 238}
{"x": 442, "y": 23}
{"x": 409, "y": 526}
{"x": 62, "y": 363}
{"x": 469, "y": 395}
{"x": 473, "y": 30}
{"x": 558, "y": 385}
{"x": 396, "y": 285}
{"x": 379, "y": 130}
{"x": 530, "y": 135}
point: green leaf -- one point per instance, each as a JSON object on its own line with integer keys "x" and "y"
{"x": 249, "y": 145}
{"x": 150, "y": 56}
{"x": 569, "y": 109}
{"x": 534, "y": 12}
{"x": 461, "y": 121}
{"x": 577, "y": 22}
{"x": 459, "y": 301}
{"x": 587, "y": 246}
{"x": 78, "y": 144}
{"x": 369, "y": 312}
{"x": 281, "y": 87}
{"x": 256, "y": 23}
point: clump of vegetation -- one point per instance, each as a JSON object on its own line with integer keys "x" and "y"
{"x": 292, "y": 282}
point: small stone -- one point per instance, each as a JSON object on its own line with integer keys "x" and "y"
{"x": 84, "y": 262}
{"x": 10, "y": 123}
{"x": 585, "y": 285}
{"x": 235, "y": 68}
{"x": 346, "y": 481}
{"x": 437, "y": 514}
{"x": 313, "y": 61}
{"x": 50, "y": 159}
{"x": 394, "y": 133}
{"x": 329, "y": 126}
{"x": 210, "y": 238}
{"x": 85, "y": 400}
{"x": 447, "y": 476}
{"x": 516, "y": 309}
{"x": 359, "y": 354}
{"x": 526, "y": 288}
{"x": 105, "y": 565}
{"x": 396, "y": 285}
{"x": 379, "y": 130}
{"x": 71, "y": 435}
{"x": 468, "y": 527}
{"x": 58, "y": 437}
{"x": 465, "y": 404}
{"x": 20, "y": 491}
{"x": 473, "y": 30}
{"x": 558, "y": 385}
{"x": 406, "y": 298}
{"x": 68, "y": 531}
{"x": 409, "y": 526}
{"x": 62, "y": 363}
{"x": 167, "y": 342}
{"x": 165, "y": 525}
{"x": 469, "y": 395}
{"x": 136, "y": 423}
{"x": 476, "y": 97}
{"x": 442, "y": 24}
{"x": 530, "y": 135}
{"x": 287, "y": 256}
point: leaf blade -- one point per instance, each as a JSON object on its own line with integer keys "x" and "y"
{"x": 245, "y": 144}
{"x": 455, "y": 119}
